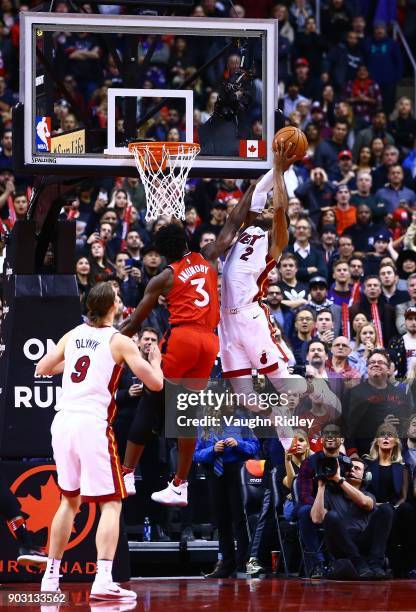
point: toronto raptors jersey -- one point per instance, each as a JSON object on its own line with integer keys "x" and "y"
{"x": 245, "y": 271}
{"x": 91, "y": 375}
{"x": 193, "y": 298}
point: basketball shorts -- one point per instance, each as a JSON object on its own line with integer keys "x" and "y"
{"x": 247, "y": 342}
{"x": 86, "y": 457}
{"x": 188, "y": 354}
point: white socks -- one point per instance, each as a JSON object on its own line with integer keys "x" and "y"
{"x": 104, "y": 569}
{"x": 52, "y": 569}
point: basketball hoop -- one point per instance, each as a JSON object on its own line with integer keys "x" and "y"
{"x": 163, "y": 169}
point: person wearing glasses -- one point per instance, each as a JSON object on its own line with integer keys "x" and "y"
{"x": 302, "y": 334}
{"x": 338, "y": 363}
{"x": 372, "y": 403}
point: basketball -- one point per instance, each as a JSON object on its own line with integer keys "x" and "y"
{"x": 295, "y": 136}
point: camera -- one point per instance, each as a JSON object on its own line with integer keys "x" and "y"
{"x": 328, "y": 466}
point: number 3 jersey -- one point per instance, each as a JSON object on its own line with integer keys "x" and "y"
{"x": 91, "y": 375}
{"x": 193, "y": 298}
{"x": 245, "y": 271}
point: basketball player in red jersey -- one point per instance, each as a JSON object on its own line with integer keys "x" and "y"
{"x": 190, "y": 347}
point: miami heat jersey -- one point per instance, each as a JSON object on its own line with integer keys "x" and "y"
{"x": 90, "y": 375}
{"x": 245, "y": 271}
{"x": 193, "y": 298}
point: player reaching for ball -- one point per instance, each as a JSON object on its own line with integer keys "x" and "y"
{"x": 247, "y": 338}
{"x": 189, "y": 348}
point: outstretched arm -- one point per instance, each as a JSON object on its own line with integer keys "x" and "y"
{"x": 280, "y": 234}
{"x": 235, "y": 220}
{"x": 156, "y": 287}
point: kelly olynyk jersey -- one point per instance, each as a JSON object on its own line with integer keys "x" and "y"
{"x": 193, "y": 298}
{"x": 91, "y": 375}
{"x": 245, "y": 271}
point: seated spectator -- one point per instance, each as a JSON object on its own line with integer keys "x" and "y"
{"x": 336, "y": 20}
{"x": 406, "y": 266}
{"x": 363, "y": 195}
{"x": 390, "y": 485}
{"x": 312, "y": 45}
{"x": 280, "y": 12}
{"x": 389, "y": 278}
{"x": 222, "y": 450}
{"x": 373, "y": 304}
{"x": 328, "y": 235}
{"x": 345, "y": 214}
{"x": 373, "y": 403}
{"x": 395, "y": 192}
{"x": 129, "y": 279}
{"x": 151, "y": 263}
{"x": 355, "y": 529}
{"x": 216, "y": 222}
{"x": 343, "y": 59}
{"x": 403, "y": 126}
{"x": 402, "y": 349}
{"x": 365, "y": 342}
{"x": 363, "y": 231}
{"x": 309, "y": 260}
{"x": 134, "y": 245}
{"x": 365, "y": 97}
{"x": 344, "y": 174}
{"x": 340, "y": 291}
{"x": 343, "y": 253}
{"x": 293, "y": 290}
{"x": 274, "y": 302}
{"x": 410, "y": 303}
{"x": 356, "y": 266}
{"x": 318, "y": 290}
{"x": 6, "y": 151}
{"x": 339, "y": 362}
{"x": 292, "y": 98}
{"x": 101, "y": 267}
{"x": 331, "y": 440}
{"x": 378, "y": 129}
{"x": 302, "y": 334}
{"x": 84, "y": 282}
{"x": 316, "y": 193}
{"x": 326, "y": 154}
{"x": 364, "y": 160}
{"x": 390, "y": 157}
{"x": 382, "y": 248}
{"x": 299, "y": 12}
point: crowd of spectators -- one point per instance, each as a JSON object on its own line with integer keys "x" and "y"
{"x": 343, "y": 296}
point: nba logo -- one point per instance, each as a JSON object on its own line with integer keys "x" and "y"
{"x": 43, "y": 134}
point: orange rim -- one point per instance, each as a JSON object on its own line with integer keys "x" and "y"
{"x": 157, "y": 148}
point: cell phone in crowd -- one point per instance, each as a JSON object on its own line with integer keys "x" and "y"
{"x": 103, "y": 195}
{"x": 132, "y": 263}
{"x": 136, "y": 381}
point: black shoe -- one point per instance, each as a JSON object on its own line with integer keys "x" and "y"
{"x": 221, "y": 571}
{"x": 33, "y": 555}
{"x": 378, "y": 571}
{"x": 412, "y": 574}
{"x": 363, "y": 570}
{"x": 187, "y": 535}
{"x": 158, "y": 535}
{"x": 318, "y": 571}
{"x": 341, "y": 569}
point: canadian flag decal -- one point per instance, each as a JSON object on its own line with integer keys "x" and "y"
{"x": 252, "y": 148}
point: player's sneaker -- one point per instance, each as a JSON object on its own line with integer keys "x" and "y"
{"x": 111, "y": 591}
{"x": 32, "y": 555}
{"x": 50, "y": 585}
{"x": 172, "y": 496}
{"x": 129, "y": 483}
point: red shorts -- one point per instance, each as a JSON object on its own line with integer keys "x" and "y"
{"x": 189, "y": 352}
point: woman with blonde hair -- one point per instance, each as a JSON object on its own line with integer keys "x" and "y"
{"x": 366, "y": 341}
{"x": 389, "y": 485}
{"x": 298, "y": 451}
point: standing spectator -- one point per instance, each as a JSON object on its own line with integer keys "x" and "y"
{"x": 410, "y": 303}
{"x": 129, "y": 278}
{"x": 373, "y": 304}
{"x": 310, "y": 44}
{"x": 343, "y": 253}
{"x": 346, "y": 214}
{"x": 344, "y": 174}
{"x": 83, "y": 272}
{"x": 336, "y": 20}
{"x": 338, "y": 363}
{"x": 318, "y": 289}
{"x": 151, "y": 263}
{"x": 316, "y": 193}
{"x": 134, "y": 244}
{"x": 292, "y": 98}
{"x": 389, "y": 279}
{"x": 274, "y": 302}
{"x": 378, "y": 129}
{"x": 291, "y": 287}
{"x": 403, "y": 126}
{"x": 395, "y": 193}
{"x": 222, "y": 450}
{"x": 365, "y": 97}
{"x": 340, "y": 291}
{"x": 324, "y": 328}
{"x": 385, "y": 63}
{"x": 326, "y": 154}
{"x": 328, "y": 236}
{"x": 308, "y": 86}
{"x": 281, "y": 13}
{"x": 363, "y": 232}
{"x": 309, "y": 260}
{"x": 390, "y": 157}
{"x": 344, "y": 59}
{"x": 299, "y": 12}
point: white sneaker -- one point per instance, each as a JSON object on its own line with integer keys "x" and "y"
{"x": 50, "y": 585}
{"x": 172, "y": 496}
{"x": 129, "y": 482}
{"x": 110, "y": 590}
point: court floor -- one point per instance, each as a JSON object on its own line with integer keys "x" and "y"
{"x": 196, "y": 594}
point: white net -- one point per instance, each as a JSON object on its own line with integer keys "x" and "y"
{"x": 163, "y": 171}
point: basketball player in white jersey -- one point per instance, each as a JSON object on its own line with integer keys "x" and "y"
{"x": 247, "y": 338}
{"x": 91, "y": 358}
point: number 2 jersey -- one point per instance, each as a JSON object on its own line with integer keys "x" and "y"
{"x": 193, "y": 298}
{"x": 91, "y": 375}
{"x": 245, "y": 271}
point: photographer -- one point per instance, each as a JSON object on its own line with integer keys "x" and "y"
{"x": 354, "y": 528}
{"x": 307, "y": 487}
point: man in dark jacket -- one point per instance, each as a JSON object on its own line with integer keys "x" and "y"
{"x": 327, "y": 151}
{"x": 344, "y": 60}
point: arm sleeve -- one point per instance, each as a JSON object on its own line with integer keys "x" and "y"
{"x": 261, "y": 190}
{"x": 204, "y": 453}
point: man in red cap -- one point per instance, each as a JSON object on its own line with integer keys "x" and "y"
{"x": 344, "y": 174}
{"x": 308, "y": 86}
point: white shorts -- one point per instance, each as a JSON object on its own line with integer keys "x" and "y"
{"x": 247, "y": 342}
{"x": 85, "y": 453}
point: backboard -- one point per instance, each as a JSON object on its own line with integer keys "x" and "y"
{"x": 90, "y": 84}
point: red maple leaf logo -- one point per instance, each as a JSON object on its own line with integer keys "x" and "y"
{"x": 252, "y": 149}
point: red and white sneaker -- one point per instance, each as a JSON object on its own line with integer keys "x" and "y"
{"x": 129, "y": 483}
{"x": 172, "y": 496}
{"x": 111, "y": 591}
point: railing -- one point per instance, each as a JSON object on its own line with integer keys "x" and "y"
{"x": 398, "y": 33}
{"x": 318, "y": 15}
